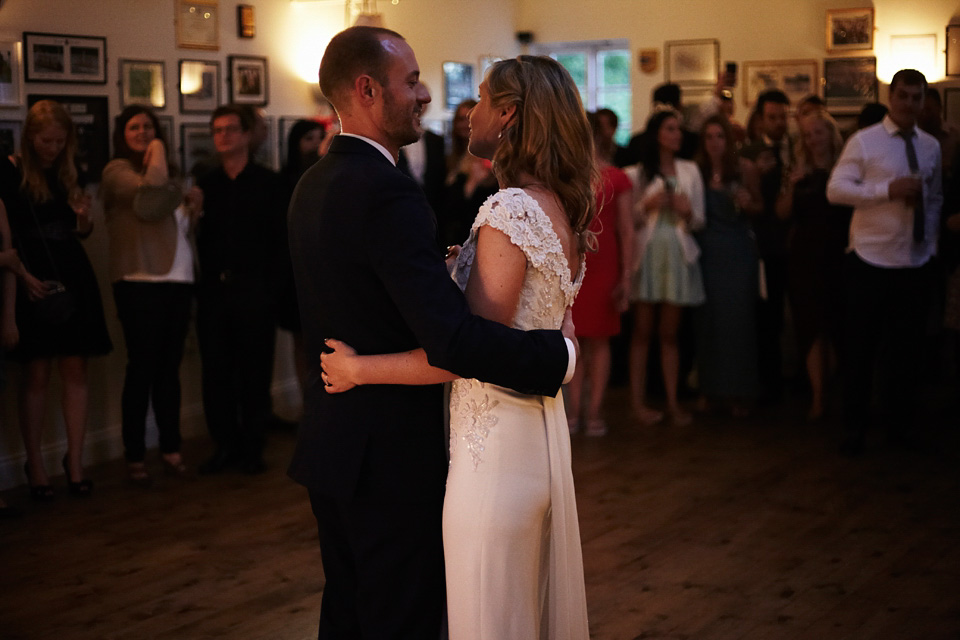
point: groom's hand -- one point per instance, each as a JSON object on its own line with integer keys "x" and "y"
{"x": 569, "y": 331}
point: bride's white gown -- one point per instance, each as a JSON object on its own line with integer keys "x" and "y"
{"x": 510, "y": 534}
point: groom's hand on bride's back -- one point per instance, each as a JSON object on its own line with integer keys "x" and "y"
{"x": 336, "y": 366}
{"x": 569, "y": 331}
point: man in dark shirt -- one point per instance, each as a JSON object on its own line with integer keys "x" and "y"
{"x": 240, "y": 244}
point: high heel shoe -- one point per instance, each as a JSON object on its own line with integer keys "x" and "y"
{"x": 174, "y": 468}
{"x": 137, "y": 474}
{"x": 38, "y": 492}
{"x": 80, "y": 489}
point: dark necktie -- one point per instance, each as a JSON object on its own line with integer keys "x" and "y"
{"x": 915, "y": 170}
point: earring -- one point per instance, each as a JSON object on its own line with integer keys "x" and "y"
{"x": 500, "y": 135}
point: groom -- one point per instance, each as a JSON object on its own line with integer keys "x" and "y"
{"x": 368, "y": 272}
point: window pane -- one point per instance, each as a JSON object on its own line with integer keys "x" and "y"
{"x": 576, "y": 64}
{"x": 619, "y": 101}
{"x": 615, "y": 67}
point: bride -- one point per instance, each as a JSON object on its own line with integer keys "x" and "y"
{"x": 510, "y": 534}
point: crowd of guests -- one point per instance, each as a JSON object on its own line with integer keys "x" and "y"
{"x": 735, "y": 229}
{"x": 725, "y": 224}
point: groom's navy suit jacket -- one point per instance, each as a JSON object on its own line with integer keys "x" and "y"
{"x": 369, "y": 272}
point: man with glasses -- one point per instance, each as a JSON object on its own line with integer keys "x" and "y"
{"x": 240, "y": 243}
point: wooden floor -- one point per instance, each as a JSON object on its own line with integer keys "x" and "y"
{"x": 726, "y": 529}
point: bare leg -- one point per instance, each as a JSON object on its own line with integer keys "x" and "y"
{"x": 36, "y": 379}
{"x": 639, "y": 346}
{"x": 670, "y": 360}
{"x": 73, "y": 374}
{"x": 816, "y": 366}
{"x": 599, "y": 364}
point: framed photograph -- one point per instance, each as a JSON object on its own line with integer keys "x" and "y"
{"x": 198, "y": 24}
{"x": 457, "y": 84}
{"x": 92, "y": 121}
{"x": 196, "y": 147}
{"x": 248, "y": 80}
{"x": 50, "y": 57}
{"x": 267, "y": 153}
{"x": 849, "y": 29}
{"x": 951, "y": 106}
{"x": 692, "y": 62}
{"x": 10, "y": 137}
{"x": 953, "y": 50}
{"x": 246, "y": 24}
{"x": 649, "y": 60}
{"x": 9, "y": 73}
{"x": 142, "y": 82}
{"x": 849, "y": 83}
{"x": 169, "y": 134}
{"x": 199, "y": 86}
{"x": 796, "y": 78}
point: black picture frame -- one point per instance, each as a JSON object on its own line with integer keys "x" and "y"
{"x": 201, "y": 80}
{"x": 91, "y": 117}
{"x": 457, "y": 83}
{"x": 249, "y": 80}
{"x": 64, "y": 58}
{"x": 197, "y": 150}
{"x": 953, "y": 50}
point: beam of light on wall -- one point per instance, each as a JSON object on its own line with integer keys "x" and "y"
{"x": 191, "y": 77}
{"x": 310, "y": 27}
{"x": 914, "y": 52}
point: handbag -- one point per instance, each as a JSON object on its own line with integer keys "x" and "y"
{"x": 60, "y": 303}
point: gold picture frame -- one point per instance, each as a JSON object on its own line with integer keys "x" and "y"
{"x": 198, "y": 24}
{"x": 850, "y": 30}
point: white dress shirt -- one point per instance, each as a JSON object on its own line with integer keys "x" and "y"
{"x": 881, "y": 232}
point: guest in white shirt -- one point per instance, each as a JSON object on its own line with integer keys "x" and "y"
{"x": 890, "y": 174}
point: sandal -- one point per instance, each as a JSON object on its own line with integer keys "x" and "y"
{"x": 38, "y": 492}
{"x": 596, "y": 427}
{"x": 137, "y": 474}
{"x": 173, "y": 466}
{"x": 81, "y": 489}
{"x": 648, "y": 417}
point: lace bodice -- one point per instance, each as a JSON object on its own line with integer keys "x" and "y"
{"x": 547, "y": 289}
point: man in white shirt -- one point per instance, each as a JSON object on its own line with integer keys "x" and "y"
{"x": 890, "y": 174}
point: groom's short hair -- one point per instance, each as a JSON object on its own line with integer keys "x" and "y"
{"x": 351, "y": 53}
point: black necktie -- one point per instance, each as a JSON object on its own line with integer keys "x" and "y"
{"x": 914, "y": 169}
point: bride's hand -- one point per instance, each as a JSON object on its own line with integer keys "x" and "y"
{"x": 338, "y": 367}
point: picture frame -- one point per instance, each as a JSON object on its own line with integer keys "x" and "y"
{"x": 796, "y": 78}
{"x": 953, "y": 50}
{"x": 267, "y": 153}
{"x": 850, "y": 29}
{"x": 248, "y": 80}
{"x": 246, "y": 22}
{"x": 142, "y": 82}
{"x": 11, "y": 70}
{"x": 692, "y": 62}
{"x": 90, "y": 115}
{"x": 199, "y": 86}
{"x": 196, "y": 147}
{"x": 197, "y": 24}
{"x": 849, "y": 83}
{"x": 458, "y": 84}
{"x": 951, "y": 106}
{"x": 51, "y": 57}
{"x": 169, "y": 134}
{"x": 10, "y": 132}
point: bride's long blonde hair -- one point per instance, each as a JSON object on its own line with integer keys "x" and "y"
{"x": 549, "y": 138}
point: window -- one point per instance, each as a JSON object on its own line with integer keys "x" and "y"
{"x": 601, "y": 71}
